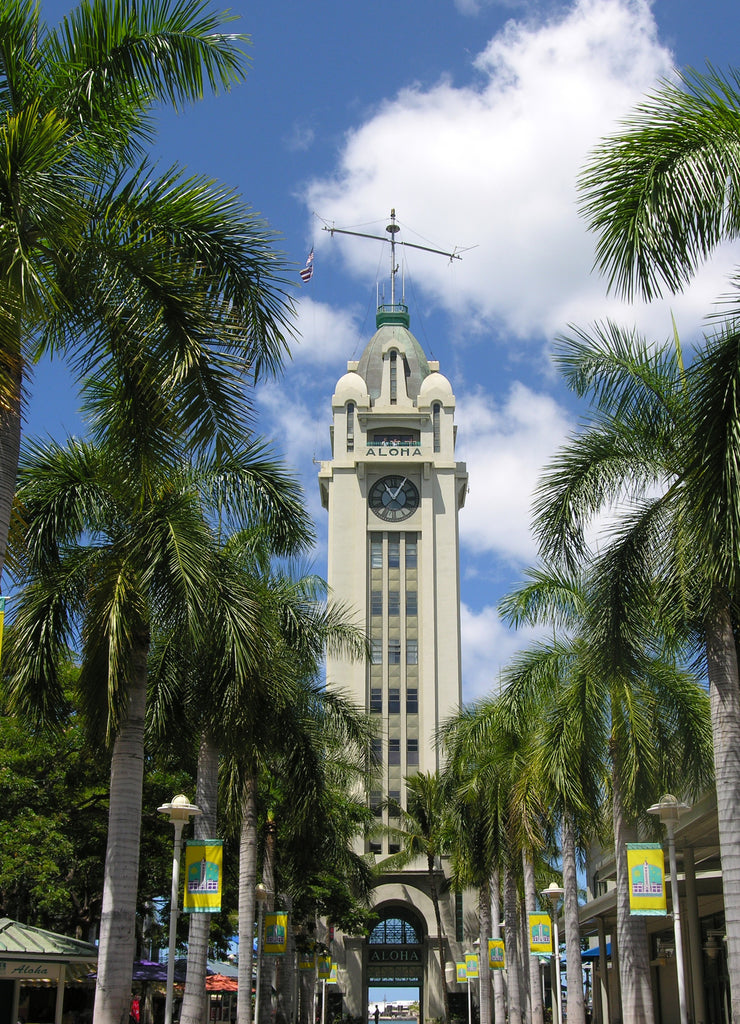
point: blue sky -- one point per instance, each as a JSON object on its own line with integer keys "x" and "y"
{"x": 471, "y": 118}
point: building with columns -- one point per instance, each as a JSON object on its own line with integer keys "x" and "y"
{"x": 393, "y": 490}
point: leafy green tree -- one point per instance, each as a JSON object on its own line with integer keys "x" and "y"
{"x": 112, "y": 546}
{"x": 100, "y": 257}
{"x": 53, "y": 823}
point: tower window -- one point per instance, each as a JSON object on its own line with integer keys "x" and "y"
{"x": 412, "y": 652}
{"x": 376, "y": 803}
{"x": 376, "y": 700}
{"x": 394, "y": 602}
{"x": 435, "y": 425}
{"x": 376, "y": 602}
{"x": 394, "y": 377}
{"x": 376, "y": 551}
{"x": 376, "y": 651}
{"x": 412, "y": 700}
{"x": 394, "y": 652}
{"x": 394, "y": 701}
{"x": 412, "y": 751}
{"x": 411, "y": 552}
{"x": 376, "y": 750}
{"x": 351, "y": 426}
{"x": 412, "y": 606}
{"x": 394, "y": 552}
{"x": 394, "y": 751}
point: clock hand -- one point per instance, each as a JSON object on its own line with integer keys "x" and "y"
{"x": 398, "y": 489}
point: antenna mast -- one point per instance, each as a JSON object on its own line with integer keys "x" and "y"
{"x": 393, "y": 228}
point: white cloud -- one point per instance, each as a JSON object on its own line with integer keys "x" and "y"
{"x": 493, "y": 164}
{"x": 505, "y": 444}
{"x": 327, "y": 335}
{"x": 487, "y": 647}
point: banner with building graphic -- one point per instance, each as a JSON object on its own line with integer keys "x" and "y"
{"x": 324, "y": 968}
{"x": 471, "y": 965}
{"x": 540, "y": 933}
{"x": 203, "y": 873}
{"x": 306, "y": 961}
{"x": 276, "y": 934}
{"x": 646, "y": 870}
{"x": 460, "y": 973}
{"x": 496, "y": 954}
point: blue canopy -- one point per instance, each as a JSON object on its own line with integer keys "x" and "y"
{"x": 594, "y": 953}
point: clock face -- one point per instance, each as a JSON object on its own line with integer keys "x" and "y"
{"x": 393, "y": 498}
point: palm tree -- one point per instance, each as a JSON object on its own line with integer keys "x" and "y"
{"x": 422, "y": 833}
{"x": 112, "y": 546}
{"x": 273, "y": 718}
{"x": 651, "y": 727}
{"x": 664, "y": 191}
{"x": 99, "y": 257}
{"x": 483, "y": 764}
{"x": 665, "y": 439}
{"x": 662, "y": 194}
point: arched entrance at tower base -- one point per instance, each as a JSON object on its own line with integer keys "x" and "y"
{"x": 395, "y": 957}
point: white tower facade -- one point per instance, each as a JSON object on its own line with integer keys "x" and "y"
{"x": 393, "y": 490}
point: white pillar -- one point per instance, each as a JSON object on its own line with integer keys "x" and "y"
{"x": 695, "y": 951}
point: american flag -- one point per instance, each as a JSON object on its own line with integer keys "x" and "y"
{"x": 307, "y": 271}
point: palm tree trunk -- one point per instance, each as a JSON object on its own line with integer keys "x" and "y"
{"x": 247, "y": 884}
{"x": 10, "y": 440}
{"x": 533, "y": 962}
{"x": 118, "y": 916}
{"x": 632, "y": 940}
{"x": 511, "y": 918}
{"x": 484, "y": 971}
{"x": 499, "y": 1003}
{"x": 724, "y": 695}
{"x": 574, "y": 971}
{"x": 194, "y": 1002}
{"x": 434, "y": 892}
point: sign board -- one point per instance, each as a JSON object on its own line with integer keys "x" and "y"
{"x": 496, "y": 954}
{"x": 540, "y": 933}
{"x": 276, "y": 934}
{"x": 203, "y": 873}
{"x": 646, "y": 869}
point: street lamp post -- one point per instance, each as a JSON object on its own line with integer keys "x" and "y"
{"x": 179, "y": 811}
{"x": 668, "y": 809}
{"x": 260, "y": 894}
{"x": 553, "y": 894}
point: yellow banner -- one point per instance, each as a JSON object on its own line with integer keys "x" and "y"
{"x": 333, "y": 975}
{"x": 325, "y": 968}
{"x": 203, "y": 873}
{"x": 471, "y": 965}
{"x": 496, "y": 954}
{"x": 646, "y": 868}
{"x": 276, "y": 934}
{"x": 305, "y": 963}
{"x": 462, "y": 974}
{"x": 540, "y": 933}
